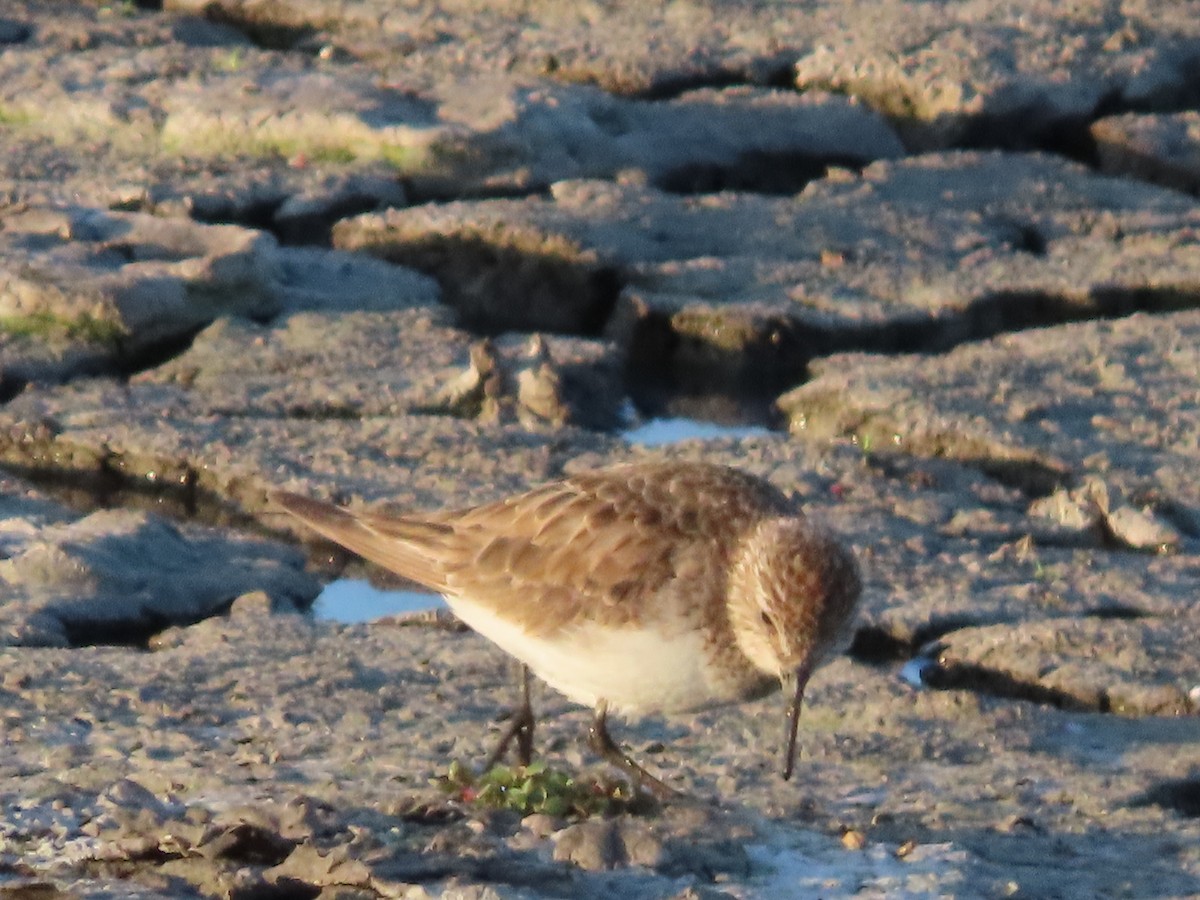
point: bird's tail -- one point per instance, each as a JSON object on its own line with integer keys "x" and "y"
{"x": 412, "y": 548}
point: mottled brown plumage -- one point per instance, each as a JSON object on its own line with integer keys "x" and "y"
{"x": 650, "y": 587}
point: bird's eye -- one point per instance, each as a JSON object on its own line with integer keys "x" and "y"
{"x": 766, "y": 620}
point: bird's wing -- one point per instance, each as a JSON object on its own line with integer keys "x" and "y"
{"x": 545, "y": 558}
{"x": 600, "y": 544}
{"x": 559, "y": 554}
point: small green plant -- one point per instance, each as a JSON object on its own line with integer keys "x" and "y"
{"x": 123, "y": 8}
{"x": 45, "y": 324}
{"x": 11, "y": 115}
{"x": 407, "y": 159}
{"x": 231, "y": 60}
{"x": 537, "y": 788}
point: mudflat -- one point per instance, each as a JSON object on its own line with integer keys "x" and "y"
{"x": 425, "y": 257}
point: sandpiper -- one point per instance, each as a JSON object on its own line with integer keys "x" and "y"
{"x": 655, "y": 587}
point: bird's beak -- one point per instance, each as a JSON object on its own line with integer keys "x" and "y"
{"x": 793, "y": 683}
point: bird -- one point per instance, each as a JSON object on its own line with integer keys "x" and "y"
{"x": 651, "y": 587}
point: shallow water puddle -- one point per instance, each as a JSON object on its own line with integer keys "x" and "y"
{"x": 915, "y": 672}
{"x": 657, "y": 432}
{"x": 350, "y": 600}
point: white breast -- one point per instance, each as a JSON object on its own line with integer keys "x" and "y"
{"x": 636, "y": 670}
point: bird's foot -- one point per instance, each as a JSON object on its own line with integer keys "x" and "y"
{"x": 603, "y": 745}
{"x": 520, "y": 729}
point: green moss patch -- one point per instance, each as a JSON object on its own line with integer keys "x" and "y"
{"x": 537, "y": 788}
{"x": 48, "y": 325}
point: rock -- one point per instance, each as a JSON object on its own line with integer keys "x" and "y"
{"x": 307, "y": 865}
{"x": 349, "y": 365}
{"x": 1128, "y": 667}
{"x": 600, "y": 845}
{"x": 642, "y": 846}
{"x": 466, "y": 104}
{"x": 171, "y": 440}
{"x": 1139, "y": 529}
{"x": 212, "y": 878}
{"x": 594, "y": 846}
{"x": 126, "y": 282}
{"x": 32, "y": 352}
{"x": 949, "y": 75}
{"x": 302, "y": 114}
{"x": 127, "y": 795}
{"x": 489, "y": 131}
{"x": 1038, "y": 408}
{"x": 918, "y": 254}
{"x": 1092, "y": 513}
{"x": 405, "y": 362}
{"x": 1163, "y": 148}
{"x": 950, "y": 85}
{"x": 306, "y": 216}
{"x": 256, "y": 604}
{"x": 313, "y": 279}
{"x": 541, "y": 825}
{"x": 516, "y": 135}
{"x": 1071, "y": 516}
{"x": 114, "y": 575}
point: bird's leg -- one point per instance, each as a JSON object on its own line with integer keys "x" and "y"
{"x": 520, "y": 726}
{"x": 602, "y": 743}
{"x": 524, "y": 721}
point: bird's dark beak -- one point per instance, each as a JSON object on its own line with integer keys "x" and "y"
{"x": 793, "y": 684}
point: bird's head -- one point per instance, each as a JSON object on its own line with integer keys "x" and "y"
{"x": 794, "y": 590}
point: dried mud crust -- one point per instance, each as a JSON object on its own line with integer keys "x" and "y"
{"x": 919, "y": 255}
{"x": 645, "y": 177}
{"x": 266, "y": 749}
